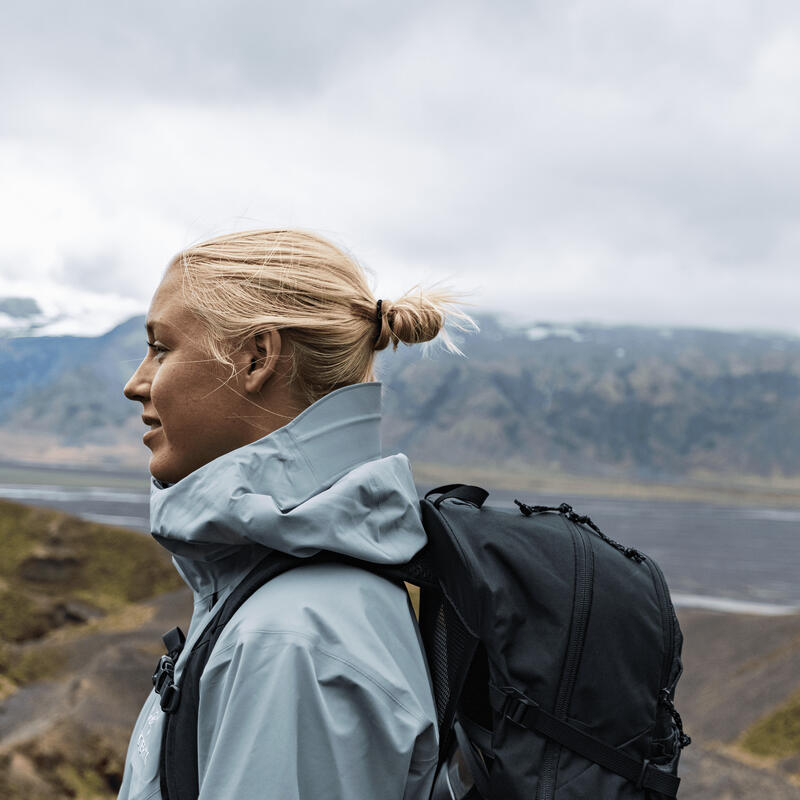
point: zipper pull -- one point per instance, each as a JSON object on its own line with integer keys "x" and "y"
{"x": 666, "y": 701}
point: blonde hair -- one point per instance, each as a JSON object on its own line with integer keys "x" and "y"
{"x": 316, "y": 295}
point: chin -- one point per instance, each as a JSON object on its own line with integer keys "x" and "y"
{"x": 165, "y": 472}
{"x": 165, "y": 467}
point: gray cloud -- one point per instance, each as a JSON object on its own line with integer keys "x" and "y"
{"x": 623, "y": 161}
{"x": 206, "y": 51}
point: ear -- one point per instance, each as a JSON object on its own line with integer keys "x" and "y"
{"x": 261, "y": 352}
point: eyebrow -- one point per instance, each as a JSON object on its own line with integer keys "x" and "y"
{"x": 150, "y": 324}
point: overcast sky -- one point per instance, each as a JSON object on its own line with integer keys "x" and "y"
{"x": 595, "y": 160}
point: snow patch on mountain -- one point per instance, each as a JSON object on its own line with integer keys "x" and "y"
{"x": 539, "y": 332}
{"x": 57, "y": 310}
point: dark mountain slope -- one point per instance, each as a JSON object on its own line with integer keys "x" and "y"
{"x": 622, "y": 400}
{"x": 639, "y": 402}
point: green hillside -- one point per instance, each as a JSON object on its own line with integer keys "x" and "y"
{"x": 73, "y": 597}
{"x": 57, "y": 571}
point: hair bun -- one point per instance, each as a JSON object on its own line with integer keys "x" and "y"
{"x": 411, "y": 320}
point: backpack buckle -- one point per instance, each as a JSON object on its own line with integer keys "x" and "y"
{"x": 520, "y": 710}
{"x": 170, "y": 698}
{"x": 164, "y": 674}
{"x": 164, "y": 684}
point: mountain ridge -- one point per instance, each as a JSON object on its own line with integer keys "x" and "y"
{"x": 627, "y": 401}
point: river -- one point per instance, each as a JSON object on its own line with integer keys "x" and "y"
{"x": 725, "y": 557}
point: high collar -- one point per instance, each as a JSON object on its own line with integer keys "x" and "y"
{"x": 326, "y": 440}
{"x": 317, "y": 483}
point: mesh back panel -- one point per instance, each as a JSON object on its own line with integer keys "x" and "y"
{"x": 450, "y": 648}
{"x": 438, "y": 664}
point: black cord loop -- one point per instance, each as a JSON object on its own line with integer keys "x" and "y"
{"x": 581, "y": 519}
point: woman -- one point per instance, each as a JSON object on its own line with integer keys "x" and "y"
{"x": 263, "y": 413}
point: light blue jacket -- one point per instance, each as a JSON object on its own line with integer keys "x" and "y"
{"x": 317, "y": 688}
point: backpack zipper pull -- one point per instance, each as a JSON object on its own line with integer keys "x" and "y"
{"x": 666, "y": 701}
{"x": 569, "y": 512}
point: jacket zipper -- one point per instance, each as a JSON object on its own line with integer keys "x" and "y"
{"x": 666, "y": 618}
{"x": 584, "y": 578}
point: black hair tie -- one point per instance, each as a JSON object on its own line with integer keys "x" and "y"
{"x": 379, "y": 321}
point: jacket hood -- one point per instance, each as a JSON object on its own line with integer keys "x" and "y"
{"x": 318, "y": 483}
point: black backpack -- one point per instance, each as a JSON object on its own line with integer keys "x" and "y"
{"x": 554, "y": 653}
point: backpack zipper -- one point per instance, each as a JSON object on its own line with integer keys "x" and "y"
{"x": 669, "y": 645}
{"x": 584, "y": 578}
{"x": 666, "y": 618}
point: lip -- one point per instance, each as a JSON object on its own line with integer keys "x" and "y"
{"x": 149, "y": 434}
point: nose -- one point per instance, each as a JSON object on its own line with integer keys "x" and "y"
{"x": 138, "y": 385}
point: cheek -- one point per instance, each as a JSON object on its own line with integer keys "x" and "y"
{"x": 172, "y": 393}
{"x": 189, "y": 402}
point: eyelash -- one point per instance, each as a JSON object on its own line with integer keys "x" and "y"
{"x": 157, "y": 348}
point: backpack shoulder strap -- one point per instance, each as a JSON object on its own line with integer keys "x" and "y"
{"x": 178, "y": 761}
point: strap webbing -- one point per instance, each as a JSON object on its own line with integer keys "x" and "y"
{"x": 470, "y": 494}
{"x": 527, "y": 714}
